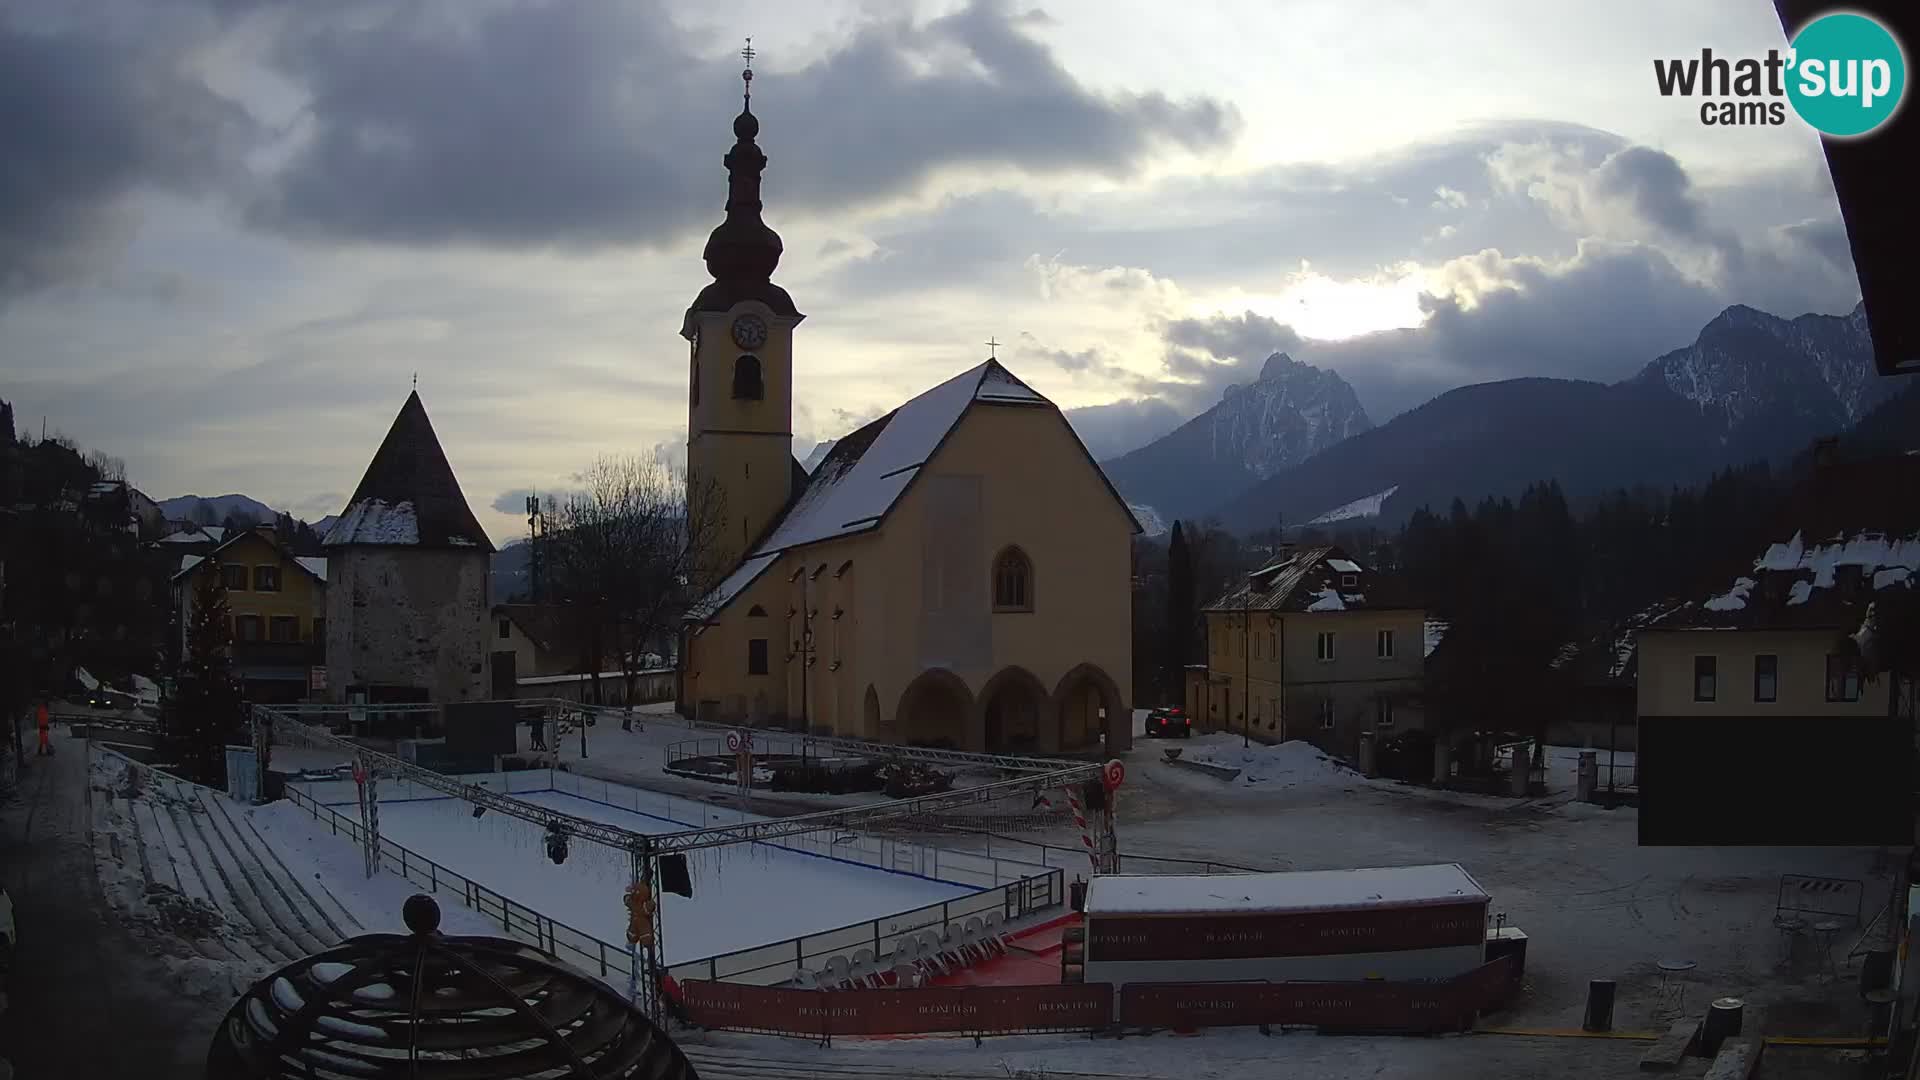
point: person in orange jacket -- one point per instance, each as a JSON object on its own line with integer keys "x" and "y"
{"x": 45, "y": 721}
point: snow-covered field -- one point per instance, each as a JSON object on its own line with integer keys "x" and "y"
{"x": 743, "y": 895}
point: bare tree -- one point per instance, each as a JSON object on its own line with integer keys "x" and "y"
{"x": 626, "y": 550}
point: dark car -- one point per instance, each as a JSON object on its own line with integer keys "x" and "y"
{"x": 1169, "y": 724}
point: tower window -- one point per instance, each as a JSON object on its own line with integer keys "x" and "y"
{"x": 747, "y": 385}
{"x": 1012, "y": 581}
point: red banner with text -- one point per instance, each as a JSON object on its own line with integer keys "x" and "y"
{"x": 899, "y": 1012}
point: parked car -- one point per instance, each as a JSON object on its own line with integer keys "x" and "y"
{"x": 1169, "y": 723}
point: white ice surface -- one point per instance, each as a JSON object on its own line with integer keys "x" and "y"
{"x": 743, "y": 895}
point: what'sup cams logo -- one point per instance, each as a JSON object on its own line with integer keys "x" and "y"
{"x": 1844, "y": 74}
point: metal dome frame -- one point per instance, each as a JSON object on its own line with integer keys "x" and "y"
{"x": 425, "y": 1006}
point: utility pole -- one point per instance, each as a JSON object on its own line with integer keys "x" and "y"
{"x": 1246, "y": 666}
{"x": 534, "y": 543}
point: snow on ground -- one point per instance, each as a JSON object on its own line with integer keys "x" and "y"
{"x": 1364, "y": 507}
{"x": 744, "y": 895}
{"x": 1289, "y": 764}
{"x": 313, "y": 853}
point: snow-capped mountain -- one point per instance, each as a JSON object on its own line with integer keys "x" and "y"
{"x": 1291, "y": 412}
{"x": 1150, "y": 523}
{"x": 1749, "y": 368}
{"x": 215, "y": 509}
{"x": 817, "y": 454}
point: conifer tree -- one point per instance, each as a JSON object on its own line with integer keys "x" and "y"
{"x": 207, "y": 711}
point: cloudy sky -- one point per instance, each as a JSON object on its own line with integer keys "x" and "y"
{"x": 232, "y": 231}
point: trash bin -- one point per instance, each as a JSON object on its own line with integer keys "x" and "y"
{"x": 1876, "y": 970}
{"x": 1600, "y": 1005}
{"x": 1724, "y": 1018}
{"x": 1077, "y": 895}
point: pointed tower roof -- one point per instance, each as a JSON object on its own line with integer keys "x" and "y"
{"x": 742, "y": 250}
{"x": 408, "y": 497}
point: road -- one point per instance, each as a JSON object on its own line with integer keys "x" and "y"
{"x": 85, "y": 999}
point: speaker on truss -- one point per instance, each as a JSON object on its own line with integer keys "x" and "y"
{"x": 673, "y": 875}
{"x": 1095, "y": 795}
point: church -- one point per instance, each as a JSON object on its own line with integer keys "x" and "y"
{"x": 956, "y": 573}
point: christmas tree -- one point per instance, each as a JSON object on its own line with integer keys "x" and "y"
{"x": 207, "y": 712}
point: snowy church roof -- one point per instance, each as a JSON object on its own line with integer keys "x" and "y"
{"x": 864, "y": 475}
{"x": 409, "y": 496}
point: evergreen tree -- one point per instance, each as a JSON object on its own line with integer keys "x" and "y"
{"x": 1180, "y": 612}
{"x": 207, "y": 712}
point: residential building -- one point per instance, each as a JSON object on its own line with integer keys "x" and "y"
{"x": 407, "y": 612}
{"x": 954, "y": 573}
{"x": 1312, "y": 646}
{"x": 277, "y": 612}
{"x": 1777, "y": 641}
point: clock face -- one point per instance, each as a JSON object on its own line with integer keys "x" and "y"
{"x": 749, "y": 332}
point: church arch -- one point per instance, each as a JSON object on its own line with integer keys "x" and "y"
{"x": 1079, "y": 699}
{"x": 747, "y": 383}
{"x": 1015, "y": 714}
{"x": 1012, "y": 580}
{"x": 933, "y": 711}
{"x": 756, "y": 612}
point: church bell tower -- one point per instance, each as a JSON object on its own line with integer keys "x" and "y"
{"x": 740, "y": 328}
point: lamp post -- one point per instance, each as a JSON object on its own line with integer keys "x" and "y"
{"x": 803, "y": 646}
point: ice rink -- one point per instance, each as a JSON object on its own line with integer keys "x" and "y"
{"x": 744, "y": 895}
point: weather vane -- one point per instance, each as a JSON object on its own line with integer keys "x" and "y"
{"x": 746, "y": 75}
{"x": 993, "y": 349}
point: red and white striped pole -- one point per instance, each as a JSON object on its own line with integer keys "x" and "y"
{"x": 1080, "y": 822}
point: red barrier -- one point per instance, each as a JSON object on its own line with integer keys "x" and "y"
{"x": 1309, "y": 933}
{"x": 1369, "y": 1006}
{"x": 984, "y": 1009}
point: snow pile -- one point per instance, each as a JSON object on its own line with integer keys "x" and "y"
{"x": 1734, "y": 599}
{"x": 1436, "y": 632}
{"x": 1294, "y": 763}
{"x": 313, "y": 564}
{"x": 1327, "y": 600}
{"x": 1366, "y": 507}
{"x": 1872, "y": 552}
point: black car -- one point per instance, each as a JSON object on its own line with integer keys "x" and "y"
{"x": 1170, "y": 723}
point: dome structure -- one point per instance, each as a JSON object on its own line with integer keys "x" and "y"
{"x": 424, "y": 1005}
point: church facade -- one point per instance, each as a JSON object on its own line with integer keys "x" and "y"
{"x": 956, "y": 573}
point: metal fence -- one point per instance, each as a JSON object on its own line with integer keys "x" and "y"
{"x": 1075, "y": 859}
{"x": 1015, "y": 887}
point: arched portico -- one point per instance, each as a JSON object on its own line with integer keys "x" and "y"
{"x": 1015, "y": 715}
{"x": 934, "y": 710}
{"x": 1080, "y": 699}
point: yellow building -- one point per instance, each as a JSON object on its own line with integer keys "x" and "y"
{"x": 1315, "y": 647}
{"x": 277, "y": 605}
{"x": 955, "y": 573}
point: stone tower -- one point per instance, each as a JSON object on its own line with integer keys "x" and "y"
{"x": 740, "y": 465}
{"x": 407, "y": 578}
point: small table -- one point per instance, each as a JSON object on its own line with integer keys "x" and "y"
{"x": 1823, "y": 933}
{"x": 1673, "y": 986}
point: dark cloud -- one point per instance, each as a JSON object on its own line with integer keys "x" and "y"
{"x": 94, "y": 114}
{"x": 1112, "y": 429}
{"x": 1656, "y": 188}
{"x": 512, "y": 502}
{"x": 582, "y": 125}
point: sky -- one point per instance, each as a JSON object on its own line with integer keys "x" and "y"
{"x": 233, "y": 232}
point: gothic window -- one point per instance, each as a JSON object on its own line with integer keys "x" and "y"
{"x": 1012, "y": 581}
{"x": 746, "y": 379}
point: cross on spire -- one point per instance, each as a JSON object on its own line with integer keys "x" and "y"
{"x": 416, "y": 380}
{"x": 993, "y": 349}
{"x": 746, "y": 74}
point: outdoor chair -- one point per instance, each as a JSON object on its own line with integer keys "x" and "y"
{"x": 997, "y": 930}
{"x": 906, "y": 977}
{"x": 953, "y": 945}
{"x": 906, "y": 950}
{"x": 836, "y": 973}
{"x": 864, "y": 974}
{"x": 805, "y": 980}
{"x": 929, "y": 950}
{"x": 973, "y": 938}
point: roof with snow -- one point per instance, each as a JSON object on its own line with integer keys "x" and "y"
{"x": 210, "y": 534}
{"x": 1797, "y": 584}
{"x": 863, "y": 476}
{"x": 409, "y": 497}
{"x": 1296, "y": 890}
{"x": 1312, "y": 579}
{"x": 316, "y": 566}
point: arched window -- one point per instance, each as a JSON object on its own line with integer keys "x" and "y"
{"x": 1012, "y": 581}
{"x": 756, "y": 612}
{"x": 746, "y": 379}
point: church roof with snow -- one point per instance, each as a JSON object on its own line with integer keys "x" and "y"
{"x": 409, "y": 497}
{"x": 863, "y": 477}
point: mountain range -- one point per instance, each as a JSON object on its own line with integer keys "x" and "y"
{"x": 1290, "y": 413}
{"x": 1752, "y": 386}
